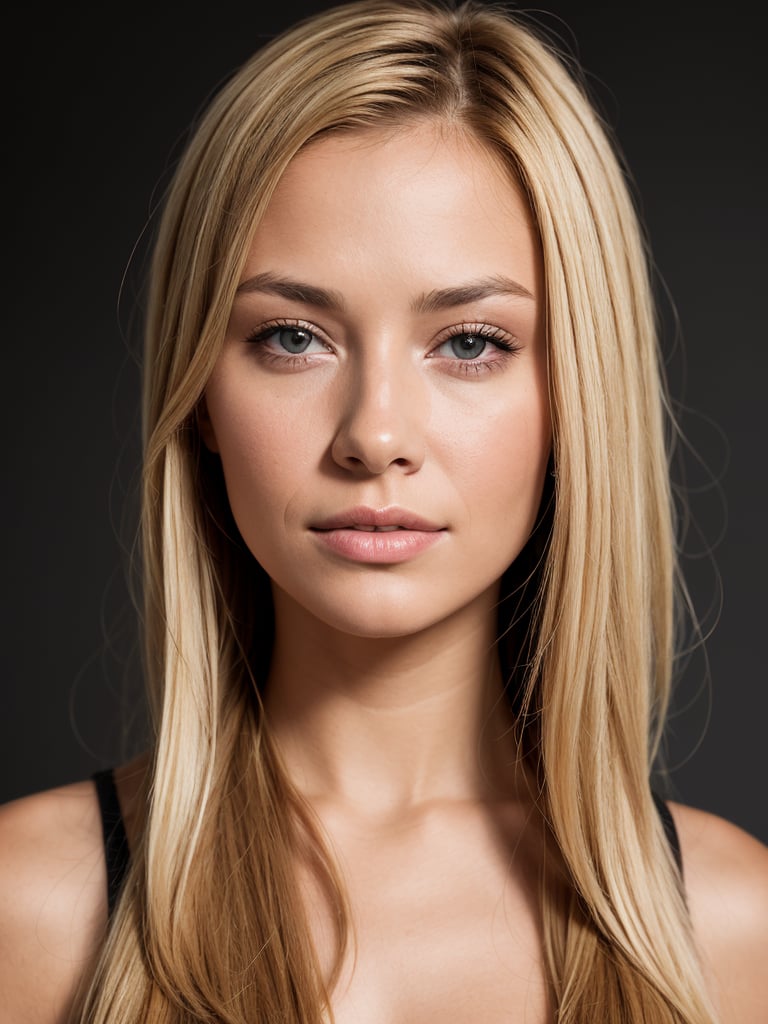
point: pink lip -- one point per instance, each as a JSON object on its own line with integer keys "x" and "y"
{"x": 414, "y": 535}
{"x": 364, "y": 516}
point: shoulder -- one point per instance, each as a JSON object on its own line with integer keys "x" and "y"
{"x": 53, "y": 908}
{"x": 726, "y": 883}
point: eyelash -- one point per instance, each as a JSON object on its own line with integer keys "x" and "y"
{"x": 506, "y": 346}
{"x": 288, "y": 361}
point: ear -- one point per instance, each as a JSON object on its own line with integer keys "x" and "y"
{"x": 205, "y": 426}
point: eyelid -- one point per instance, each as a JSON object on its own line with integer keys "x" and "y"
{"x": 504, "y": 341}
{"x": 505, "y": 347}
{"x": 260, "y": 333}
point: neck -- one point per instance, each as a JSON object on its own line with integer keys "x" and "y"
{"x": 389, "y": 723}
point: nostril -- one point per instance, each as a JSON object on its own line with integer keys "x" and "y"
{"x": 360, "y": 445}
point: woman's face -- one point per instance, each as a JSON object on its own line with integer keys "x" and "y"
{"x": 380, "y": 403}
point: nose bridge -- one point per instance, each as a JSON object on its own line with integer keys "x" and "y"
{"x": 382, "y": 416}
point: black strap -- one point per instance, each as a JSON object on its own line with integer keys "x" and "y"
{"x": 670, "y": 830}
{"x": 118, "y": 856}
{"x": 116, "y": 849}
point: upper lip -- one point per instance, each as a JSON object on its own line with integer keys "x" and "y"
{"x": 370, "y": 517}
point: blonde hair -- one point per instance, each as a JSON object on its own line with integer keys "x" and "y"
{"x": 209, "y": 927}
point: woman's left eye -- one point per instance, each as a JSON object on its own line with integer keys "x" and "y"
{"x": 472, "y": 344}
{"x": 464, "y": 346}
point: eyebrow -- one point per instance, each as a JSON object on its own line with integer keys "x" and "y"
{"x": 297, "y": 291}
{"x": 429, "y": 302}
{"x": 473, "y": 291}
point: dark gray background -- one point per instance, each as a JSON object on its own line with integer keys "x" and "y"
{"x": 96, "y": 112}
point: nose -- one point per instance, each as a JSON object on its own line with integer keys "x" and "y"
{"x": 381, "y": 423}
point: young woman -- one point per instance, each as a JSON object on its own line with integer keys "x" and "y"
{"x": 409, "y": 579}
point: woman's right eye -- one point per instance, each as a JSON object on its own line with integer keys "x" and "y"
{"x": 288, "y": 339}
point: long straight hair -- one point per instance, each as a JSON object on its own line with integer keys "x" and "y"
{"x": 209, "y": 927}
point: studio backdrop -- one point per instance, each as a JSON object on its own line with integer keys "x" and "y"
{"x": 97, "y": 114}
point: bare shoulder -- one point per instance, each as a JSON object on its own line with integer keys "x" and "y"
{"x": 53, "y": 907}
{"x": 726, "y": 882}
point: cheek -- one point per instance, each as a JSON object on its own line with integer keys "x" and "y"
{"x": 500, "y": 452}
{"x": 251, "y": 438}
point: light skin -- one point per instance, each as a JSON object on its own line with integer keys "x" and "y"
{"x": 380, "y": 413}
{"x": 413, "y": 249}
{"x": 383, "y": 679}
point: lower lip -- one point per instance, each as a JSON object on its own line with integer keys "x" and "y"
{"x": 386, "y": 548}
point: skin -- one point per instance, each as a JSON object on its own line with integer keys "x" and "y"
{"x": 383, "y": 695}
{"x": 379, "y": 411}
{"x": 378, "y": 707}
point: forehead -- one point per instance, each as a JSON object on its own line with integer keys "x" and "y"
{"x": 415, "y": 200}
{"x": 447, "y": 157}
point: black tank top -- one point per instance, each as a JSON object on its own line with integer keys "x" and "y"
{"x": 115, "y": 840}
{"x": 118, "y": 856}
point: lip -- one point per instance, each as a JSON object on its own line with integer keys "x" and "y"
{"x": 370, "y": 518}
{"x": 352, "y": 534}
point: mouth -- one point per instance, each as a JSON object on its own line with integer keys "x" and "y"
{"x": 370, "y": 536}
{"x": 373, "y": 529}
{"x": 383, "y": 520}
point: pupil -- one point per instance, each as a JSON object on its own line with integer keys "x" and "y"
{"x": 465, "y": 346}
{"x": 293, "y": 339}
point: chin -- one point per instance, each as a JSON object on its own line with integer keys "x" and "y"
{"x": 378, "y": 628}
{"x": 382, "y": 612}
{"x": 372, "y": 618}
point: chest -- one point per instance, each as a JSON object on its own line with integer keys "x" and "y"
{"x": 444, "y": 967}
{"x": 444, "y": 926}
